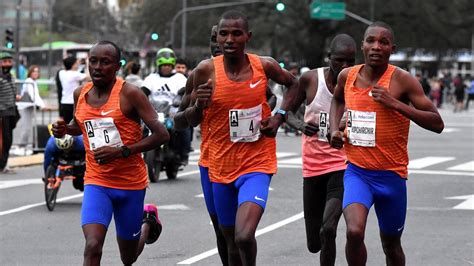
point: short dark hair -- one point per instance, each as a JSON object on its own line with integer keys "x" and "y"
{"x": 118, "y": 52}
{"x": 342, "y": 41}
{"x": 382, "y": 25}
{"x": 69, "y": 62}
{"x": 234, "y": 14}
{"x": 135, "y": 68}
{"x": 181, "y": 61}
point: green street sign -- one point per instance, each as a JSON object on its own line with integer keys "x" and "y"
{"x": 328, "y": 10}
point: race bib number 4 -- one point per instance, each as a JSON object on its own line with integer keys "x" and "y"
{"x": 102, "y": 132}
{"x": 361, "y": 128}
{"x": 244, "y": 124}
{"x": 323, "y": 126}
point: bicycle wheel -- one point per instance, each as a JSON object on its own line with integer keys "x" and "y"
{"x": 50, "y": 193}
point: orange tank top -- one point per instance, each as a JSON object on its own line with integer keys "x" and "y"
{"x": 391, "y": 127}
{"x": 234, "y": 106}
{"x": 108, "y": 126}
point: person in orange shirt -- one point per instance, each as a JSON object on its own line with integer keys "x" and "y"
{"x": 381, "y": 99}
{"x": 181, "y": 123}
{"x": 231, "y": 96}
{"x": 323, "y": 166}
{"x": 108, "y": 112}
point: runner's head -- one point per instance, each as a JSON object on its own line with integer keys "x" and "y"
{"x": 378, "y": 44}
{"x": 233, "y": 33}
{"x": 181, "y": 66}
{"x": 104, "y": 62}
{"x": 6, "y": 62}
{"x": 165, "y": 61}
{"x": 341, "y": 53}
{"x": 213, "y": 45}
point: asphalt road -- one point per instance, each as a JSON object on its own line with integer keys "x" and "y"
{"x": 439, "y": 228}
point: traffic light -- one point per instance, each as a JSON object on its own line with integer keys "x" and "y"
{"x": 9, "y": 40}
{"x": 154, "y": 36}
{"x": 280, "y": 6}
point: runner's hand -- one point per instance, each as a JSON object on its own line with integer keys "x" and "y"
{"x": 203, "y": 94}
{"x": 107, "y": 154}
{"x": 269, "y": 126}
{"x": 309, "y": 129}
{"x": 337, "y": 139}
{"x": 381, "y": 95}
{"x": 59, "y": 128}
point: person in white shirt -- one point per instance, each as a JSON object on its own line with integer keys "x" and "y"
{"x": 70, "y": 79}
{"x": 164, "y": 88}
{"x": 30, "y": 99}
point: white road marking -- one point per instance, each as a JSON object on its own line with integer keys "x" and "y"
{"x": 469, "y": 166}
{"x": 297, "y": 161}
{"x": 428, "y": 172}
{"x": 285, "y": 154}
{"x": 199, "y": 195}
{"x": 258, "y": 233}
{"x": 21, "y": 182}
{"x": 467, "y": 204}
{"x": 26, "y": 207}
{"x": 427, "y": 161}
{"x": 450, "y": 129}
{"x": 179, "y": 207}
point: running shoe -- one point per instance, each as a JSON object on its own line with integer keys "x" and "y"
{"x": 150, "y": 216}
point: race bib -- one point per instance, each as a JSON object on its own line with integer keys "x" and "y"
{"x": 102, "y": 132}
{"x": 244, "y": 124}
{"x": 323, "y": 126}
{"x": 361, "y": 128}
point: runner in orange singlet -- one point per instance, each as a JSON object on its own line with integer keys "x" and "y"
{"x": 180, "y": 124}
{"x": 107, "y": 113}
{"x": 231, "y": 94}
{"x": 377, "y": 97}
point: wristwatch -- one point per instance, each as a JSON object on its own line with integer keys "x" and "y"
{"x": 283, "y": 113}
{"x": 125, "y": 151}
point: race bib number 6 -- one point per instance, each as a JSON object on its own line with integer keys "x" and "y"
{"x": 244, "y": 124}
{"x": 361, "y": 128}
{"x": 102, "y": 132}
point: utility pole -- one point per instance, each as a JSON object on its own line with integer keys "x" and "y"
{"x": 183, "y": 30}
{"x": 50, "y": 28}
{"x": 17, "y": 40}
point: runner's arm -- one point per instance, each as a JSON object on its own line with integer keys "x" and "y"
{"x": 202, "y": 75}
{"x": 422, "y": 112}
{"x": 180, "y": 121}
{"x": 337, "y": 109}
{"x": 145, "y": 111}
{"x": 73, "y": 128}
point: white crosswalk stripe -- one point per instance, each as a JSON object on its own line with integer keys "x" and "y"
{"x": 414, "y": 164}
{"x": 428, "y": 161}
{"x": 469, "y": 166}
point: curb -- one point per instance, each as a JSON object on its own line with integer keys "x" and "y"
{"x": 22, "y": 161}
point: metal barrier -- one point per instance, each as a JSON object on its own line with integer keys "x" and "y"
{"x": 48, "y": 115}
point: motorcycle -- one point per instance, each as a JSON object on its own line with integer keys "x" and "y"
{"x": 165, "y": 158}
{"x": 68, "y": 166}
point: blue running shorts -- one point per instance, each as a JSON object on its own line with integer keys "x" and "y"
{"x": 385, "y": 189}
{"x": 207, "y": 190}
{"x": 100, "y": 203}
{"x": 251, "y": 187}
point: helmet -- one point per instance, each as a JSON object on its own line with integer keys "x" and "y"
{"x": 64, "y": 143}
{"x": 5, "y": 55}
{"x": 165, "y": 56}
